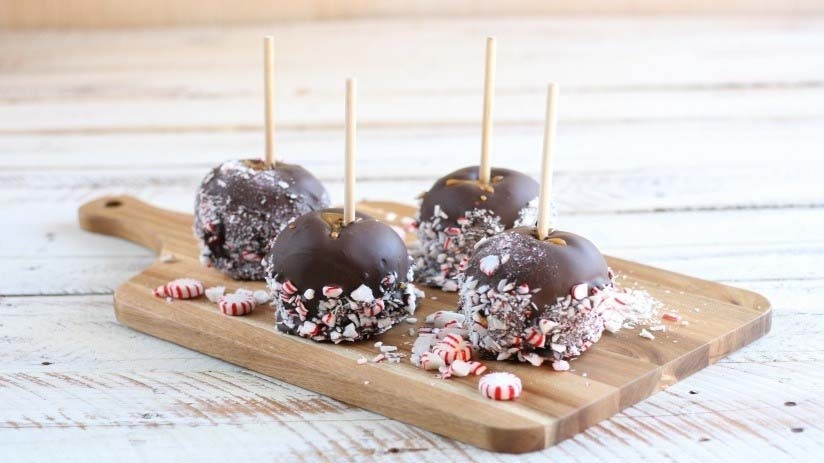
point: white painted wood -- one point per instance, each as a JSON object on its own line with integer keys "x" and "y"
{"x": 723, "y": 116}
{"x": 188, "y": 390}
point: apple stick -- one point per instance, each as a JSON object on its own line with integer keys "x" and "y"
{"x": 485, "y": 172}
{"x": 351, "y": 139}
{"x": 546, "y": 165}
{"x": 269, "y": 88}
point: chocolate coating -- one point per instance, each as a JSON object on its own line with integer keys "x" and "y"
{"x": 363, "y": 253}
{"x": 554, "y": 268}
{"x": 242, "y": 205}
{"x": 512, "y": 192}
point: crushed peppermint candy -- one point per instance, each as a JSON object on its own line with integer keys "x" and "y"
{"x": 445, "y": 248}
{"x": 671, "y": 317}
{"x": 214, "y": 293}
{"x": 331, "y": 315}
{"x": 646, "y": 334}
{"x": 261, "y": 296}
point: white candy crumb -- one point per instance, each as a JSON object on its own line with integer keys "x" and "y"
{"x": 489, "y": 264}
{"x": 262, "y": 297}
{"x": 560, "y": 365}
{"x": 449, "y": 286}
{"x": 460, "y": 368}
{"x": 389, "y": 348}
{"x": 658, "y": 328}
{"x": 411, "y": 320}
{"x": 214, "y": 293}
{"x": 309, "y": 294}
{"x": 362, "y": 361}
{"x": 168, "y": 258}
{"x": 245, "y": 292}
{"x": 363, "y": 294}
{"x": 379, "y": 343}
{"x": 646, "y": 334}
{"x": 283, "y": 184}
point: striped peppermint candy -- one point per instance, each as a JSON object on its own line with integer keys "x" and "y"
{"x": 500, "y": 386}
{"x": 289, "y": 288}
{"x": 477, "y": 368}
{"x": 237, "y": 304}
{"x": 536, "y": 337}
{"x": 332, "y": 291}
{"x": 182, "y": 288}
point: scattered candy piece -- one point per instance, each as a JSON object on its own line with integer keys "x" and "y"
{"x": 500, "y": 386}
{"x": 560, "y": 365}
{"x": 476, "y": 368}
{"x": 182, "y": 288}
{"x": 215, "y": 292}
{"x": 261, "y": 296}
{"x": 460, "y": 368}
{"x": 672, "y": 317}
{"x": 646, "y": 334}
{"x": 236, "y": 304}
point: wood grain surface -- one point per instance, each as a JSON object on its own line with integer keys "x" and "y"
{"x": 621, "y": 370}
{"x": 690, "y": 144}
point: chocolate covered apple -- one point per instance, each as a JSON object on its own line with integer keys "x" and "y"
{"x": 536, "y": 299}
{"x": 242, "y": 205}
{"x": 339, "y": 282}
{"x": 460, "y": 210}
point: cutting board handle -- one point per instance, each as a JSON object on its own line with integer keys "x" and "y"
{"x": 130, "y": 218}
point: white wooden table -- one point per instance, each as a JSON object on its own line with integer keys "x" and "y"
{"x": 694, "y": 145}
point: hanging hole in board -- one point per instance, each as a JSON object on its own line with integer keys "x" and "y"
{"x": 113, "y": 203}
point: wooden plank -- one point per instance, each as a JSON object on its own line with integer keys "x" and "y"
{"x": 551, "y": 410}
{"x": 714, "y": 423}
{"x": 120, "y": 13}
{"x": 571, "y": 50}
{"x": 132, "y": 113}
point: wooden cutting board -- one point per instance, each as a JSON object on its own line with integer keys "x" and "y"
{"x": 619, "y": 371}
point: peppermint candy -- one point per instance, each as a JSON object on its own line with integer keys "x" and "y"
{"x": 182, "y": 288}
{"x": 500, "y": 386}
{"x": 236, "y": 304}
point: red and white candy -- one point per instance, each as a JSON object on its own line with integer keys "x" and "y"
{"x": 237, "y": 304}
{"x": 182, "y": 288}
{"x": 500, "y": 386}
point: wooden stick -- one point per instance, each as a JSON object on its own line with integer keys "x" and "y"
{"x": 351, "y": 127}
{"x": 485, "y": 172}
{"x": 546, "y": 165}
{"x": 269, "y": 88}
